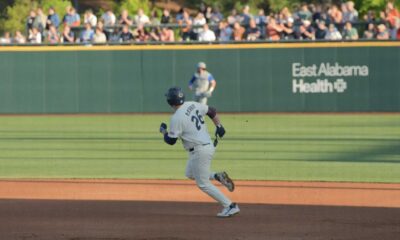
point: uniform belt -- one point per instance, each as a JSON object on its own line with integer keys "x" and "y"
{"x": 192, "y": 149}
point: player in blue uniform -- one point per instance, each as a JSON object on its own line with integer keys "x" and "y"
{"x": 202, "y": 83}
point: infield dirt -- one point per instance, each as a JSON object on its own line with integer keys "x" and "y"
{"x": 177, "y": 210}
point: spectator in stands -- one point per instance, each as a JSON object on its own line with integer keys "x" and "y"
{"x": 154, "y": 31}
{"x": 108, "y": 18}
{"x": 203, "y": 7}
{"x": 245, "y": 16}
{"x": 285, "y": 16}
{"x": 90, "y": 18}
{"x": 107, "y": 21}
{"x": 370, "y": 16}
{"x": 52, "y": 36}
{"x": 321, "y": 30}
{"x": 306, "y": 31}
{"x": 87, "y": 34}
{"x": 398, "y": 34}
{"x": 6, "y": 39}
{"x": 206, "y": 35}
{"x": 335, "y": 15}
{"x": 186, "y": 27}
{"x": 165, "y": 17}
{"x": 370, "y": 32}
{"x": 125, "y": 35}
{"x": 261, "y": 21}
{"x": 208, "y": 13}
{"x": 76, "y": 19}
{"x": 155, "y": 34}
{"x": 167, "y": 35}
{"x": 238, "y": 31}
{"x": 349, "y": 33}
{"x": 35, "y": 36}
{"x": 42, "y": 18}
{"x": 100, "y": 26}
{"x": 179, "y": 15}
{"x": 333, "y": 33}
{"x": 216, "y": 16}
{"x": 52, "y": 19}
{"x": 113, "y": 35}
{"x": 68, "y": 36}
{"x": 273, "y": 30}
{"x": 125, "y": 19}
{"x": 154, "y": 20}
{"x": 233, "y": 17}
{"x": 141, "y": 34}
{"x": 99, "y": 36}
{"x": 383, "y": 33}
{"x": 304, "y": 13}
{"x": 350, "y": 14}
{"x": 198, "y": 22}
{"x": 316, "y": 12}
{"x": 393, "y": 18}
{"x": 345, "y": 13}
{"x": 71, "y": 18}
{"x": 33, "y": 21}
{"x": 253, "y": 31}
{"x": 19, "y": 38}
{"x": 225, "y": 31}
{"x": 288, "y": 32}
{"x": 141, "y": 18}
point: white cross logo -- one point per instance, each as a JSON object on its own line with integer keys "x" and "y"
{"x": 340, "y": 85}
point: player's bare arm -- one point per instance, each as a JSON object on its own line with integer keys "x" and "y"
{"x": 213, "y": 84}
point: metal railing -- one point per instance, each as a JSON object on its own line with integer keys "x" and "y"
{"x": 112, "y": 29}
{"x": 197, "y": 43}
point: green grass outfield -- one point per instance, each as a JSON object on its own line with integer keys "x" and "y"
{"x": 311, "y": 147}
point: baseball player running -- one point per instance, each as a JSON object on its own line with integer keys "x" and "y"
{"x": 202, "y": 83}
{"x": 188, "y": 124}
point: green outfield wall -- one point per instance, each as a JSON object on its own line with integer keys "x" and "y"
{"x": 250, "y": 78}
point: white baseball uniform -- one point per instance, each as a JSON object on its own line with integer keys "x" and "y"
{"x": 188, "y": 124}
{"x": 201, "y": 84}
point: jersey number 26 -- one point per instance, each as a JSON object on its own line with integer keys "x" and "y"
{"x": 198, "y": 120}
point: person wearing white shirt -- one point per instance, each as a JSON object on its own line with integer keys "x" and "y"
{"x": 333, "y": 33}
{"x": 35, "y": 36}
{"x": 109, "y": 18}
{"x": 90, "y": 18}
{"x": 141, "y": 18}
{"x": 99, "y": 36}
{"x": 199, "y": 21}
{"x": 206, "y": 35}
{"x": 188, "y": 124}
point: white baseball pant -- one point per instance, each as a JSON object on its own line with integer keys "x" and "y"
{"x": 198, "y": 168}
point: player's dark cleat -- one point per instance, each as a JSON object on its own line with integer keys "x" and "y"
{"x": 224, "y": 179}
{"x": 233, "y": 209}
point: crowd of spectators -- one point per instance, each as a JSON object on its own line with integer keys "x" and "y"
{"x": 208, "y": 24}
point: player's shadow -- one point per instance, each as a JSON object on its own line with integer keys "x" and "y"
{"x": 385, "y": 151}
{"x": 388, "y": 153}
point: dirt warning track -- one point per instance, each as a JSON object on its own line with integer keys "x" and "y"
{"x": 177, "y": 210}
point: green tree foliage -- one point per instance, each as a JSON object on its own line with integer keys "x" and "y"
{"x": 376, "y": 5}
{"x": 277, "y": 5}
{"x": 17, "y": 14}
{"x": 133, "y": 6}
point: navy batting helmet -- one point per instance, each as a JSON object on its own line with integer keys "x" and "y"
{"x": 175, "y": 96}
